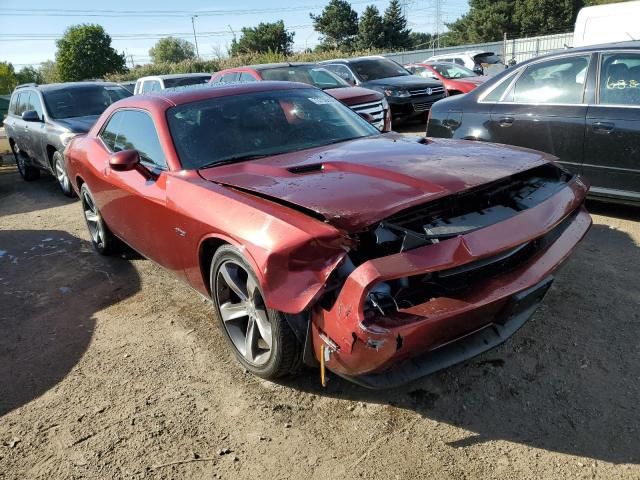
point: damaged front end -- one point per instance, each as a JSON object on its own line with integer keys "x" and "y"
{"x": 436, "y": 284}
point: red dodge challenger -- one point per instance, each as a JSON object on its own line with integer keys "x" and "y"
{"x": 320, "y": 240}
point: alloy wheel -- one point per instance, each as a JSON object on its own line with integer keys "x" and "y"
{"x": 92, "y": 216}
{"x": 243, "y": 313}
{"x": 61, "y": 175}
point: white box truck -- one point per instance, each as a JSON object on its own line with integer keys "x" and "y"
{"x": 614, "y": 22}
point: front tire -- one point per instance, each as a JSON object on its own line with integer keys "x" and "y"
{"x": 61, "y": 174}
{"x": 101, "y": 237}
{"x": 260, "y": 338}
{"x": 27, "y": 172}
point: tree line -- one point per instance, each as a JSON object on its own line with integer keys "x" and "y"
{"x": 85, "y": 51}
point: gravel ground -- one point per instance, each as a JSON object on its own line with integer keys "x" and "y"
{"x": 110, "y": 368}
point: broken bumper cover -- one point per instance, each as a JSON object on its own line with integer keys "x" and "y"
{"x": 413, "y": 342}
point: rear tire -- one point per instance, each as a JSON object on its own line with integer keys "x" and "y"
{"x": 102, "y": 239}
{"x": 27, "y": 172}
{"x": 60, "y": 172}
{"x": 260, "y": 338}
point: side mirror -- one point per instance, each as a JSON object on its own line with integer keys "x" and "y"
{"x": 127, "y": 160}
{"x": 31, "y": 116}
{"x": 367, "y": 116}
{"x": 124, "y": 160}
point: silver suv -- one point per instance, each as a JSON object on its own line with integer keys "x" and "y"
{"x": 42, "y": 120}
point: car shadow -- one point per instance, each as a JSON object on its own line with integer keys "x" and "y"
{"x": 18, "y": 196}
{"x": 566, "y": 382}
{"x": 52, "y": 285}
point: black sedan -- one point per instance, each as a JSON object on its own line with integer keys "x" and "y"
{"x": 408, "y": 95}
{"x": 581, "y": 105}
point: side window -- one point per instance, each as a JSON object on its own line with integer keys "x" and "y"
{"x": 136, "y": 130}
{"x": 23, "y": 101}
{"x": 620, "y": 79}
{"x": 150, "y": 86}
{"x": 110, "y": 131}
{"x": 560, "y": 80}
{"x": 496, "y": 94}
{"x": 13, "y": 103}
{"x": 229, "y": 77}
{"x": 28, "y": 102}
{"x": 343, "y": 72}
{"x": 459, "y": 61}
{"x": 36, "y": 104}
{"x": 247, "y": 77}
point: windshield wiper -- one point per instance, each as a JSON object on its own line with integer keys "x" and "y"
{"x": 227, "y": 161}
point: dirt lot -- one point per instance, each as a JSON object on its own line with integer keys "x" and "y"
{"x": 111, "y": 368}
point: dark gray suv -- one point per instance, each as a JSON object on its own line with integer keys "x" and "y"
{"x": 42, "y": 120}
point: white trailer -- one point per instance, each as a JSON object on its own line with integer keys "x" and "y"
{"x": 615, "y": 22}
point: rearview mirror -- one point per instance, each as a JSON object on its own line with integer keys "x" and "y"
{"x": 31, "y": 116}
{"x": 124, "y": 160}
{"x": 367, "y": 116}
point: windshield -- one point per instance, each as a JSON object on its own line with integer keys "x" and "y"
{"x": 184, "y": 81}
{"x": 453, "y": 71}
{"x": 309, "y": 74}
{"x": 245, "y": 126}
{"x": 81, "y": 101}
{"x": 377, "y": 68}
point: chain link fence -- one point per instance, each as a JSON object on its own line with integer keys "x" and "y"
{"x": 518, "y": 49}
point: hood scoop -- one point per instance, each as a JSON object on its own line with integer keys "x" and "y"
{"x": 302, "y": 169}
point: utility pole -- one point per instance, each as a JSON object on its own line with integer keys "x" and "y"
{"x": 438, "y": 13}
{"x": 195, "y": 38}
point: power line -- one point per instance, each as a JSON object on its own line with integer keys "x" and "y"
{"x": 161, "y": 13}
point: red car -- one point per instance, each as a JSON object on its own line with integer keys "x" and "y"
{"x": 456, "y": 79}
{"x": 361, "y": 100}
{"x": 320, "y": 240}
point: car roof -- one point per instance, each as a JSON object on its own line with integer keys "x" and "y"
{"x": 268, "y": 66}
{"x": 171, "y": 97}
{"x": 354, "y": 59}
{"x": 174, "y": 75}
{"x": 49, "y": 87}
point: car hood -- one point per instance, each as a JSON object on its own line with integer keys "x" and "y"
{"x": 405, "y": 81}
{"x": 78, "y": 124}
{"x": 354, "y": 95}
{"x": 355, "y": 184}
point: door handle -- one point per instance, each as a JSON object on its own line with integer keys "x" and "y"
{"x": 505, "y": 121}
{"x": 603, "y": 127}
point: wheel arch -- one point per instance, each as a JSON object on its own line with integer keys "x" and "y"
{"x": 209, "y": 245}
{"x": 50, "y": 150}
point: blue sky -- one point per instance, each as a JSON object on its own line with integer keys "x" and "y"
{"x": 28, "y": 29}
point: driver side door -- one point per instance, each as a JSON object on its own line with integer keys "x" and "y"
{"x": 133, "y": 206}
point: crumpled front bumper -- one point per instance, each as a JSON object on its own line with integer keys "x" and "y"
{"x": 376, "y": 353}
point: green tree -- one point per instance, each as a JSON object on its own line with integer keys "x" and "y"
{"x": 28, "y": 75}
{"x": 337, "y": 24}
{"x": 7, "y": 78}
{"x": 486, "y": 21}
{"x": 49, "y": 72}
{"x": 85, "y": 52}
{"x": 396, "y": 33}
{"x": 266, "y": 37}
{"x": 420, "y": 40}
{"x": 172, "y": 50}
{"x": 370, "y": 29}
{"x": 539, "y": 17}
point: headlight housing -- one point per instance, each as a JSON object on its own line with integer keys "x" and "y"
{"x": 66, "y": 137}
{"x": 397, "y": 93}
